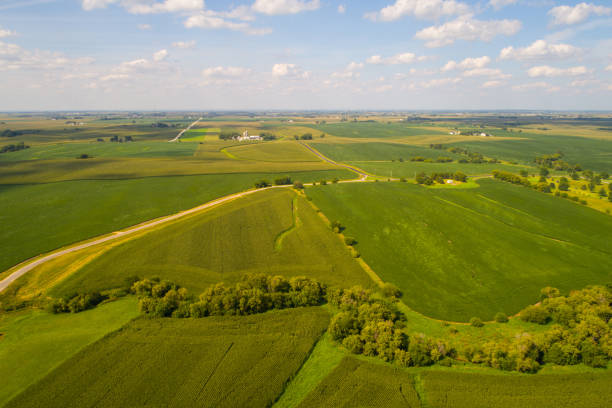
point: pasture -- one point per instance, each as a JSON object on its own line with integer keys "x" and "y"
{"x": 34, "y": 342}
{"x": 62, "y": 213}
{"x": 215, "y": 361}
{"x": 459, "y": 253}
{"x": 273, "y": 232}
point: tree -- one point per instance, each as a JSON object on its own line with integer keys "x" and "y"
{"x": 501, "y": 317}
{"x": 602, "y": 192}
{"x": 476, "y": 322}
{"x": 298, "y": 185}
{"x": 544, "y": 171}
{"x": 604, "y": 175}
{"x": 564, "y": 184}
{"x": 524, "y": 173}
{"x": 283, "y": 181}
{"x": 262, "y": 184}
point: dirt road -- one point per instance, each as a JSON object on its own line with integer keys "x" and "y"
{"x": 177, "y": 137}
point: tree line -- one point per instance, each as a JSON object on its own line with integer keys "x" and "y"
{"x": 14, "y": 147}
{"x": 440, "y": 177}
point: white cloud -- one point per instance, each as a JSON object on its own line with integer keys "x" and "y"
{"x": 341, "y": 9}
{"x": 490, "y": 72}
{"x": 497, "y": 4}
{"x": 423, "y": 9}
{"x": 13, "y": 57}
{"x": 160, "y": 55}
{"x": 358, "y": 65}
{"x": 144, "y": 26}
{"x": 210, "y": 20}
{"x": 6, "y": 33}
{"x": 275, "y": 7}
{"x": 404, "y": 58}
{"x": 114, "y": 77}
{"x": 535, "y": 85}
{"x": 289, "y": 71}
{"x": 94, "y": 4}
{"x": 468, "y": 63}
{"x": 436, "y": 83}
{"x": 467, "y": 28}
{"x": 185, "y": 45}
{"x": 609, "y": 67}
{"x": 225, "y": 72}
{"x": 167, "y": 6}
{"x": 349, "y": 71}
{"x": 577, "y": 14}
{"x": 540, "y": 49}
{"x": 547, "y": 71}
{"x": 492, "y": 84}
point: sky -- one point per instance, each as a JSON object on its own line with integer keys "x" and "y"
{"x": 305, "y": 55}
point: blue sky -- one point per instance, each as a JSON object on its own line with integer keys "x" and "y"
{"x": 305, "y": 54}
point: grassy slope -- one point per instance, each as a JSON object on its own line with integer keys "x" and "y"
{"x": 458, "y": 253}
{"x": 35, "y": 342}
{"x": 272, "y": 231}
{"x": 58, "y": 214}
{"x": 217, "y": 361}
{"x": 98, "y": 149}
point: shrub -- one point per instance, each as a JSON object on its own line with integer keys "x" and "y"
{"x": 535, "y": 314}
{"x": 501, "y": 317}
{"x": 283, "y": 181}
{"x": 391, "y": 291}
{"x": 262, "y": 184}
{"x": 476, "y": 322}
{"x": 350, "y": 241}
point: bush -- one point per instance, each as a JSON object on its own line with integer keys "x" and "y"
{"x": 298, "y": 185}
{"x": 476, "y": 322}
{"x": 535, "y": 314}
{"x": 283, "y": 181}
{"x": 391, "y": 291}
{"x": 350, "y": 241}
{"x": 262, "y": 184}
{"x": 501, "y": 317}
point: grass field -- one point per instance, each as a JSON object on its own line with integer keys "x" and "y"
{"x": 61, "y": 213}
{"x": 102, "y": 149}
{"x": 459, "y": 253}
{"x": 224, "y": 361}
{"x": 410, "y": 169}
{"x": 444, "y": 389}
{"x": 273, "y": 151}
{"x": 593, "y": 154}
{"x": 356, "y": 383}
{"x": 274, "y": 232}
{"x": 377, "y": 130}
{"x": 375, "y": 151}
{"x": 32, "y": 343}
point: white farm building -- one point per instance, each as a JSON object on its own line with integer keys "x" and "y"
{"x": 246, "y": 137}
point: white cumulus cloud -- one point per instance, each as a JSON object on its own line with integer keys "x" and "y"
{"x": 211, "y": 20}
{"x": 609, "y": 67}
{"x": 467, "y": 28}
{"x": 468, "y": 63}
{"x": 276, "y": 7}
{"x": 6, "y": 33}
{"x": 403, "y": 58}
{"x": 160, "y": 55}
{"x": 540, "y": 49}
{"x": 497, "y": 4}
{"x": 423, "y": 9}
{"x": 94, "y": 4}
{"x": 548, "y": 71}
{"x": 225, "y": 72}
{"x": 289, "y": 71}
{"x": 341, "y": 9}
{"x": 567, "y": 15}
{"x": 185, "y": 45}
{"x": 167, "y": 6}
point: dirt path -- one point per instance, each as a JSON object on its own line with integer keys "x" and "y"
{"x": 357, "y": 170}
{"x": 177, "y": 137}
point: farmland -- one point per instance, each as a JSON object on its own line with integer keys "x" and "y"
{"x": 35, "y": 342}
{"x": 377, "y": 130}
{"x": 275, "y": 232}
{"x": 229, "y": 361}
{"x": 458, "y": 253}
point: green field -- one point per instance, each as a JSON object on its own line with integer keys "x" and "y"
{"x": 593, "y": 154}
{"x": 410, "y": 169}
{"x": 275, "y": 152}
{"x": 102, "y": 149}
{"x": 61, "y": 213}
{"x": 444, "y": 389}
{"x": 377, "y": 130}
{"x": 376, "y": 151}
{"x": 32, "y": 343}
{"x": 355, "y": 383}
{"x": 274, "y": 232}
{"x": 216, "y": 361}
{"x": 459, "y": 253}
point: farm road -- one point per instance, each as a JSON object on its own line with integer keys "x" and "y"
{"x": 330, "y": 161}
{"x": 177, "y": 137}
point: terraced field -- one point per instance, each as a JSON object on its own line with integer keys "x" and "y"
{"x": 216, "y": 361}
{"x": 459, "y": 253}
{"x": 274, "y": 232}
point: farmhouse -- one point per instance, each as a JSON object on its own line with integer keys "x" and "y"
{"x": 245, "y": 136}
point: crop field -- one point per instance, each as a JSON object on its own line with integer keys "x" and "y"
{"x": 102, "y": 149}
{"x": 216, "y": 361}
{"x": 275, "y": 232}
{"x": 377, "y": 130}
{"x": 593, "y": 154}
{"x": 358, "y": 383}
{"x": 32, "y": 343}
{"x": 199, "y": 134}
{"x": 275, "y": 152}
{"x": 459, "y": 253}
{"x": 87, "y": 208}
{"x": 444, "y": 389}
{"x": 376, "y": 151}
{"x": 410, "y": 169}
